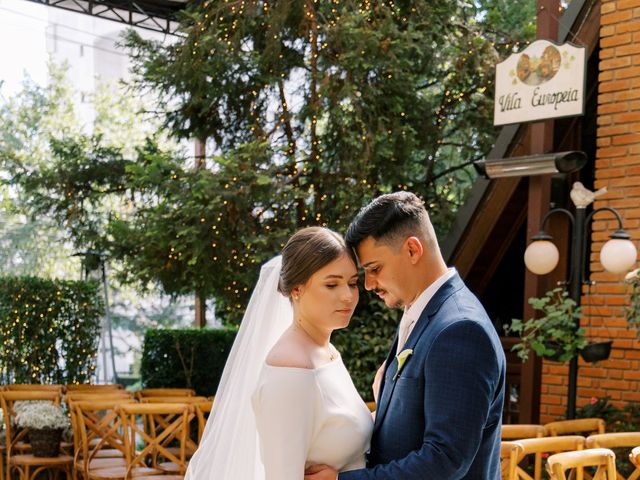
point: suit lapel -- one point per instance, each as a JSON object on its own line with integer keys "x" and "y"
{"x": 388, "y": 383}
{"x": 387, "y": 387}
{"x": 387, "y": 365}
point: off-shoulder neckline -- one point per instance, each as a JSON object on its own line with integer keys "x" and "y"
{"x": 337, "y": 360}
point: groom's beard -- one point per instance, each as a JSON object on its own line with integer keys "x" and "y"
{"x": 396, "y": 304}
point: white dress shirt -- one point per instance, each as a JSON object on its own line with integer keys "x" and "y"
{"x": 412, "y": 312}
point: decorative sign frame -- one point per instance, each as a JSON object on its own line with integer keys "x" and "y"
{"x": 545, "y": 80}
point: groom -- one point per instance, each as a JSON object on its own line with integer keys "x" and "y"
{"x": 440, "y": 406}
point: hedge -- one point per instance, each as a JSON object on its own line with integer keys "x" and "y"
{"x": 186, "y": 357}
{"x": 49, "y": 330}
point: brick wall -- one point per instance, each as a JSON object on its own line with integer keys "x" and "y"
{"x": 618, "y": 169}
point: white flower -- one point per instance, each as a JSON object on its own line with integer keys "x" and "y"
{"x": 39, "y": 415}
{"x": 402, "y": 357}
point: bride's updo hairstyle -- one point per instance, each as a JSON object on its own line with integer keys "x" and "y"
{"x": 306, "y": 252}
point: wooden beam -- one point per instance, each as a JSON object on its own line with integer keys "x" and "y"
{"x": 541, "y": 141}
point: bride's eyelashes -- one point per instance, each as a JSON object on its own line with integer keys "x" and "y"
{"x": 351, "y": 285}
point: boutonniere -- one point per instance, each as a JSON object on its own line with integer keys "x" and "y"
{"x": 402, "y": 358}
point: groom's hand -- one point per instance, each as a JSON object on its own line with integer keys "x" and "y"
{"x": 320, "y": 472}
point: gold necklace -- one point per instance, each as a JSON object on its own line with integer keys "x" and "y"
{"x": 332, "y": 356}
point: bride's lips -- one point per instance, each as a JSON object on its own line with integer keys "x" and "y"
{"x": 345, "y": 311}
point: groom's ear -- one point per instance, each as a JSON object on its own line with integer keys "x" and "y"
{"x": 414, "y": 248}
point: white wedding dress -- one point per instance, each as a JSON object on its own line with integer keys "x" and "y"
{"x": 267, "y": 422}
{"x": 310, "y": 417}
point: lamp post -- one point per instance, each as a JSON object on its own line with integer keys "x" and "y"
{"x": 94, "y": 260}
{"x": 618, "y": 254}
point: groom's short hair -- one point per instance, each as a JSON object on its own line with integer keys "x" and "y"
{"x": 390, "y": 219}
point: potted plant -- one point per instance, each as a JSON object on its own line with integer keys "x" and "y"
{"x": 553, "y": 335}
{"x": 632, "y": 312}
{"x": 45, "y": 423}
{"x": 596, "y": 351}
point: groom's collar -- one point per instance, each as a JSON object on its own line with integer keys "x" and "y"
{"x": 414, "y": 311}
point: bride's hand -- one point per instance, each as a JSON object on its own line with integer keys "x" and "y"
{"x": 320, "y": 472}
{"x": 376, "y": 382}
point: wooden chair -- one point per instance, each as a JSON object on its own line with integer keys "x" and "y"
{"x": 189, "y": 400}
{"x": 586, "y": 426}
{"x": 34, "y": 387}
{"x": 520, "y": 431}
{"x": 200, "y": 404}
{"x": 616, "y": 440}
{"x": 114, "y": 395}
{"x": 99, "y": 437}
{"x": 97, "y": 387}
{"x": 26, "y": 464}
{"x": 167, "y": 422}
{"x": 509, "y": 454}
{"x": 203, "y": 410}
{"x": 602, "y": 458}
{"x": 537, "y": 447}
{"x": 165, "y": 392}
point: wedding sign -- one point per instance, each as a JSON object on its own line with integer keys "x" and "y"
{"x": 543, "y": 81}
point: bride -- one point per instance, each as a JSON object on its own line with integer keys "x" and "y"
{"x": 286, "y": 400}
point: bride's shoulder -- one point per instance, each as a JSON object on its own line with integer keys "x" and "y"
{"x": 290, "y": 352}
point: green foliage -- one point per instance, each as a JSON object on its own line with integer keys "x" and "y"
{"x": 28, "y": 120}
{"x": 354, "y": 87}
{"x": 365, "y": 343}
{"x": 554, "y": 335}
{"x": 48, "y": 330}
{"x": 195, "y": 222}
{"x": 309, "y": 109}
{"x": 185, "y": 358}
{"x": 39, "y": 127}
{"x": 632, "y": 312}
{"x": 513, "y": 24}
{"x": 73, "y": 187}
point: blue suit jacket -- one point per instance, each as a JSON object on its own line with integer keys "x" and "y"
{"x": 440, "y": 417}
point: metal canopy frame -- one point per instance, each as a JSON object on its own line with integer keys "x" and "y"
{"x": 157, "y": 16}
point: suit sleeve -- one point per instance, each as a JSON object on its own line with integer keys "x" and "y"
{"x": 284, "y": 407}
{"x": 462, "y": 377}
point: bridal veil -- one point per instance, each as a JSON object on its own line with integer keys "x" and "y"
{"x": 229, "y": 446}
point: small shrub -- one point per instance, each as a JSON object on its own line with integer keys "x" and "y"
{"x": 185, "y": 358}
